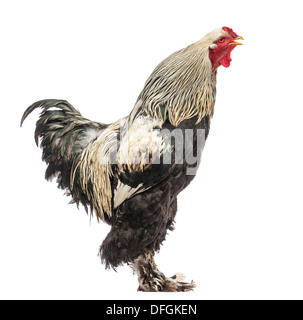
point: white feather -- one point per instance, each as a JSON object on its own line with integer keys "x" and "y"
{"x": 140, "y": 141}
{"x": 123, "y": 192}
{"x": 90, "y": 135}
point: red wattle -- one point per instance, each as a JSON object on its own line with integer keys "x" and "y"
{"x": 225, "y": 61}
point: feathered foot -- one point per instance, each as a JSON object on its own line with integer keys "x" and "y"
{"x": 177, "y": 284}
{"x": 152, "y": 280}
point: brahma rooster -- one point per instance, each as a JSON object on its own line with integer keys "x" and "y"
{"x": 130, "y": 173}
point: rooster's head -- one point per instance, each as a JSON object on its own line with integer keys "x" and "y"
{"x": 219, "y": 51}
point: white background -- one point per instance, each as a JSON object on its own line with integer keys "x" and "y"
{"x": 239, "y": 225}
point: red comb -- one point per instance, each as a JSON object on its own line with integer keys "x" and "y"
{"x": 230, "y": 31}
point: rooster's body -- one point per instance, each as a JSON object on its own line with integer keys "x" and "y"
{"x": 130, "y": 173}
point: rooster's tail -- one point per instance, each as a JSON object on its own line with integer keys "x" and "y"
{"x": 63, "y": 134}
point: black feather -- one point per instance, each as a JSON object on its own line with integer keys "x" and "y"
{"x": 141, "y": 222}
{"x": 59, "y": 128}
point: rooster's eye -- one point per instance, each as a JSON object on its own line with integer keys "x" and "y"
{"x": 221, "y": 39}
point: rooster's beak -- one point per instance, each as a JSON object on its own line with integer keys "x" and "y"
{"x": 236, "y": 43}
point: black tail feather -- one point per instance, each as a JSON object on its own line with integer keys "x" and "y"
{"x": 60, "y": 127}
{"x": 47, "y": 104}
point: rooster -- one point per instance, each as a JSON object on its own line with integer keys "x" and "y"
{"x": 129, "y": 173}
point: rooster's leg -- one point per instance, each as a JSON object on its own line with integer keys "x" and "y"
{"x": 152, "y": 280}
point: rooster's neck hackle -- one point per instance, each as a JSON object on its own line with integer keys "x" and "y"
{"x": 181, "y": 87}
